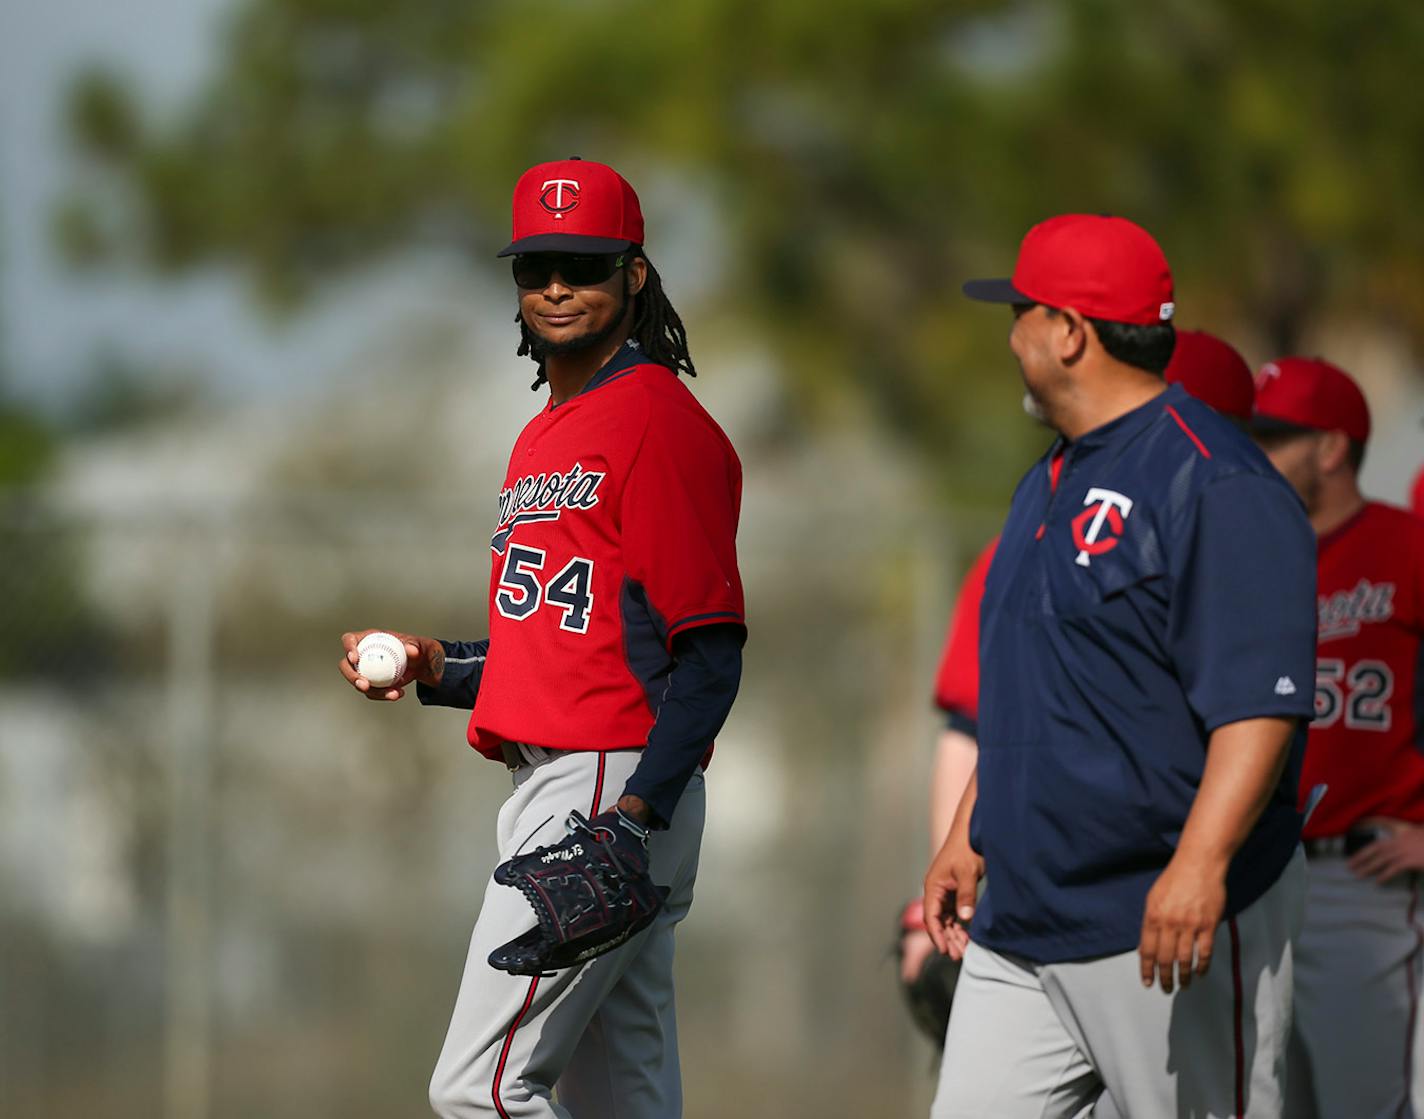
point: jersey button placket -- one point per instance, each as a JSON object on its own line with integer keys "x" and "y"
{"x": 1055, "y": 478}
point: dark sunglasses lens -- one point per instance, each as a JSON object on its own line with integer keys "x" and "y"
{"x": 535, "y": 270}
{"x": 532, "y": 271}
{"x": 579, "y": 270}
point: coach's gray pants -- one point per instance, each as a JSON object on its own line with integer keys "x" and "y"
{"x": 604, "y": 1034}
{"x": 1055, "y": 1041}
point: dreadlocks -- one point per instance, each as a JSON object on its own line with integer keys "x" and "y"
{"x": 657, "y": 328}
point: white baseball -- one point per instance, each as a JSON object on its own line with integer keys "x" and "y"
{"x": 382, "y": 659}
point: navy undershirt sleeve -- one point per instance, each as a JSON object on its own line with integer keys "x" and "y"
{"x": 460, "y": 682}
{"x": 700, "y": 691}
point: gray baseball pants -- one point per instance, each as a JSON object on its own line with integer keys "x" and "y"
{"x": 1354, "y": 1054}
{"x": 1056, "y": 1041}
{"x": 601, "y": 1036}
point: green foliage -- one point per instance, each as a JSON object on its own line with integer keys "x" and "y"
{"x": 27, "y": 447}
{"x": 120, "y": 396}
{"x": 865, "y": 157}
{"x": 46, "y": 617}
{"x": 100, "y": 111}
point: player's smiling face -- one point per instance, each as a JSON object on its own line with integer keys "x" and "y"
{"x": 567, "y": 312}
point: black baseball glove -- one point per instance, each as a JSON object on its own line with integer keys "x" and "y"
{"x": 590, "y": 891}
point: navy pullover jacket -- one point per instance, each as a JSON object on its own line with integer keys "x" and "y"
{"x": 1155, "y": 580}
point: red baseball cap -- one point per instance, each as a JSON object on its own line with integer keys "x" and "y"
{"x": 1213, "y": 372}
{"x": 1106, "y": 267}
{"x": 1294, "y": 393}
{"x": 574, "y": 206}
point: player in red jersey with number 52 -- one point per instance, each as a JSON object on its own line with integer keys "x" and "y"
{"x": 1357, "y": 967}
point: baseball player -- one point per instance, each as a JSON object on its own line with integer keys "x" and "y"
{"x": 1212, "y": 370}
{"x": 1146, "y": 644}
{"x": 1358, "y": 962}
{"x": 613, "y": 657}
{"x": 927, "y": 978}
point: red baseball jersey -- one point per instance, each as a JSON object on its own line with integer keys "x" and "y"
{"x": 617, "y": 531}
{"x": 1367, "y": 739}
{"x": 957, "y": 682}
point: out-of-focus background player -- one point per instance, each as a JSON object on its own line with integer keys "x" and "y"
{"x": 1358, "y": 961}
{"x": 927, "y": 977}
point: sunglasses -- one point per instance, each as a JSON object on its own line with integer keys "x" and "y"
{"x": 535, "y": 270}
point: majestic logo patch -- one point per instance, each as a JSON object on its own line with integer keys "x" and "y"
{"x": 1285, "y": 686}
{"x": 559, "y": 196}
{"x": 1105, "y": 509}
{"x": 542, "y": 497}
{"x": 1343, "y": 613}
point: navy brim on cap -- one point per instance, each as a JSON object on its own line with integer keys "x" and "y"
{"x": 564, "y": 243}
{"x": 995, "y": 291}
{"x": 1269, "y": 425}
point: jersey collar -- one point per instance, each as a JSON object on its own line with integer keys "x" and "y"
{"x": 1131, "y": 423}
{"x": 1343, "y": 527}
{"x": 623, "y": 362}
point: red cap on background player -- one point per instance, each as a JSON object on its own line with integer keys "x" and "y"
{"x": 574, "y": 206}
{"x": 1416, "y": 495}
{"x": 1213, "y": 372}
{"x": 1104, "y": 267}
{"x": 1308, "y": 393}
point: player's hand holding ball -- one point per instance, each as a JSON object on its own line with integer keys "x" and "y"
{"x": 381, "y": 664}
{"x": 380, "y": 658}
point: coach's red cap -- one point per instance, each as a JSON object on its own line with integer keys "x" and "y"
{"x": 1307, "y": 392}
{"x": 1106, "y": 267}
{"x": 574, "y": 206}
{"x": 1213, "y": 372}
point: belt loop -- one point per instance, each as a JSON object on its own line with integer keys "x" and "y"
{"x": 512, "y": 757}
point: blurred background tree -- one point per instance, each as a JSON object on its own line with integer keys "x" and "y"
{"x": 47, "y": 617}
{"x": 862, "y": 158}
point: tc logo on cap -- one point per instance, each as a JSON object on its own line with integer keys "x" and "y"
{"x": 559, "y": 196}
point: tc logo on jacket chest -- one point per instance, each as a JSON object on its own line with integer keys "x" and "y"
{"x": 1099, "y": 526}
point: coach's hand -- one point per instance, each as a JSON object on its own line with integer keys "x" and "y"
{"x": 424, "y": 661}
{"x": 951, "y": 889}
{"x": 1184, "y": 908}
{"x": 952, "y": 882}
